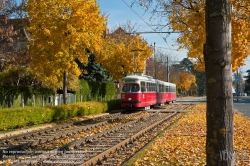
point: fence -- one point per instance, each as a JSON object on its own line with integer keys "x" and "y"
{"x": 53, "y": 100}
{"x": 39, "y": 100}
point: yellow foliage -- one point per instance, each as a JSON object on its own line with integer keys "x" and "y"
{"x": 61, "y": 30}
{"x": 188, "y": 16}
{"x": 123, "y": 53}
{"x": 186, "y": 79}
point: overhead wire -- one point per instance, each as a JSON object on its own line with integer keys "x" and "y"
{"x": 154, "y": 29}
{"x": 149, "y": 26}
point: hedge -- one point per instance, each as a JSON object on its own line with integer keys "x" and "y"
{"x": 12, "y": 118}
{"x": 89, "y": 91}
{"x": 95, "y": 90}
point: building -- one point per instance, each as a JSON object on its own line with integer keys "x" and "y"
{"x": 12, "y": 40}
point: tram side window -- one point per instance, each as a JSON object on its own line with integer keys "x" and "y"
{"x": 130, "y": 88}
{"x": 126, "y": 88}
{"x": 151, "y": 87}
{"x": 134, "y": 87}
{"x": 148, "y": 87}
{"x": 143, "y": 86}
{"x": 172, "y": 89}
{"x": 167, "y": 88}
{"x": 161, "y": 88}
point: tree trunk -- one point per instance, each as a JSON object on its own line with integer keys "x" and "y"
{"x": 9, "y": 100}
{"x": 65, "y": 76}
{"x": 217, "y": 53}
{"x": 22, "y": 101}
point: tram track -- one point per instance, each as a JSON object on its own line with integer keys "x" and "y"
{"x": 58, "y": 135}
{"x": 112, "y": 146}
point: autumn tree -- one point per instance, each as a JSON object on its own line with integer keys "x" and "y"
{"x": 188, "y": 17}
{"x": 123, "y": 53}
{"x": 175, "y": 71}
{"x": 200, "y": 84}
{"x": 181, "y": 75}
{"x": 215, "y": 30}
{"x": 187, "y": 81}
{"x": 60, "y": 32}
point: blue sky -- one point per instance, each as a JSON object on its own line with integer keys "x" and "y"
{"x": 119, "y": 13}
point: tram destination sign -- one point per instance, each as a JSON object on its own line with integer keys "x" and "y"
{"x": 130, "y": 81}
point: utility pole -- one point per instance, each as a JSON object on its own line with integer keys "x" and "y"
{"x": 237, "y": 85}
{"x": 167, "y": 71}
{"x": 154, "y": 60}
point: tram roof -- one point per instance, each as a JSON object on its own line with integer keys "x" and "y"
{"x": 144, "y": 77}
{"x": 138, "y": 76}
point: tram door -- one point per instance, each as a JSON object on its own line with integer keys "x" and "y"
{"x": 143, "y": 93}
{"x": 158, "y": 94}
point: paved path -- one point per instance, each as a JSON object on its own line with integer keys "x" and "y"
{"x": 192, "y": 100}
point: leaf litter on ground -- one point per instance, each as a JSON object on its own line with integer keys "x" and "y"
{"x": 184, "y": 144}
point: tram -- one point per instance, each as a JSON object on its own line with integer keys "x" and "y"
{"x": 141, "y": 91}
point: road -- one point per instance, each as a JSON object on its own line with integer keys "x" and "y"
{"x": 242, "y": 104}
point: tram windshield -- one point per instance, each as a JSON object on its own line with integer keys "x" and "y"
{"x": 130, "y": 88}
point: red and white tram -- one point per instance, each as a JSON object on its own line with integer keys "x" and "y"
{"x": 140, "y": 91}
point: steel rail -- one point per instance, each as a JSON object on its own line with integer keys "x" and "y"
{"x": 44, "y": 139}
{"x": 104, "y": 154}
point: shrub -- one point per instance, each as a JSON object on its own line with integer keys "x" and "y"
{"x": 19, "y": 117}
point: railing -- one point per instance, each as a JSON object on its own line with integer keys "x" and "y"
{"x": 53, "y": 100}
